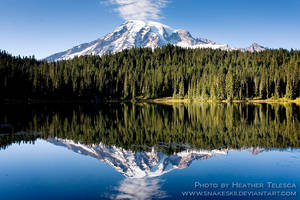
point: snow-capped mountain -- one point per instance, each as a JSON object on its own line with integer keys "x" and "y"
{"x": 254, "y": 48}
{"x": 135, "y": 33}
{"x": 138, "y": 164}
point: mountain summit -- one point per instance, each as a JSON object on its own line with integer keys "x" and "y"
{"x": 254, "y": 48}
{"x": 136, "y": 33}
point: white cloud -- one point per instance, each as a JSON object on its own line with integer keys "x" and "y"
{"x": 139, "y": 9}
{"x": 139, "y": 188}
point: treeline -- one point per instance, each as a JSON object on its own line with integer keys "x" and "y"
{"x": 167, "y": 128}
{"x": 166, "y": 71}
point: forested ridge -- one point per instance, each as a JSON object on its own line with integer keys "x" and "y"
{"x": 164, "y": 72}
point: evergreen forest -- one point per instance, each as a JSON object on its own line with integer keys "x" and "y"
{"x": 145, "y": 73}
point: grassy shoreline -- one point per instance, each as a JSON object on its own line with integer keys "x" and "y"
{"x": 170, "y": 100}
{"x": 163, "y": 100}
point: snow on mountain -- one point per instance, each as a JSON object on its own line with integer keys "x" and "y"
{"x": 138, "y": 164}
{"x": 136, "y": 33}
{"x": 254, "y": 48}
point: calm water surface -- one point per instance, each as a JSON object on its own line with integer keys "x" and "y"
{"x": 145, "y": 151}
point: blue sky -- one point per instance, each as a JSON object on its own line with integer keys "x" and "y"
{"x": 44, "y": 27}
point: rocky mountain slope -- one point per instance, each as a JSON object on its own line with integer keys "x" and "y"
{"x": 135, "y": 33}
{"x": 138, "y": 164}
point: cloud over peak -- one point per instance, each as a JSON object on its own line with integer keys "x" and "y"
{"x": 139, "y": 9}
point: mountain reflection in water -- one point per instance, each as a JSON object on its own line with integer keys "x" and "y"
{"x": 146, "y": 142}
{"x": 142, "y": 170}
{"x": 138, "y": 164}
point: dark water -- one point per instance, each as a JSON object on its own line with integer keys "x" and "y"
{"x": 146, "y": 151}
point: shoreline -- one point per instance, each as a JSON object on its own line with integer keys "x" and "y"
{"x": 171, "y": 100}
{"x": 163, "y": 100}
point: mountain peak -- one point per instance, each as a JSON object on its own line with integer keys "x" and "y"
{"x": 140, "y": 25}
{"x": 136, "y": 33}
{"x": 139, "y": 34}
{"x": 255, "y": 47}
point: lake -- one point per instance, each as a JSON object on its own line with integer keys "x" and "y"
{"x": 150, "y": 151}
